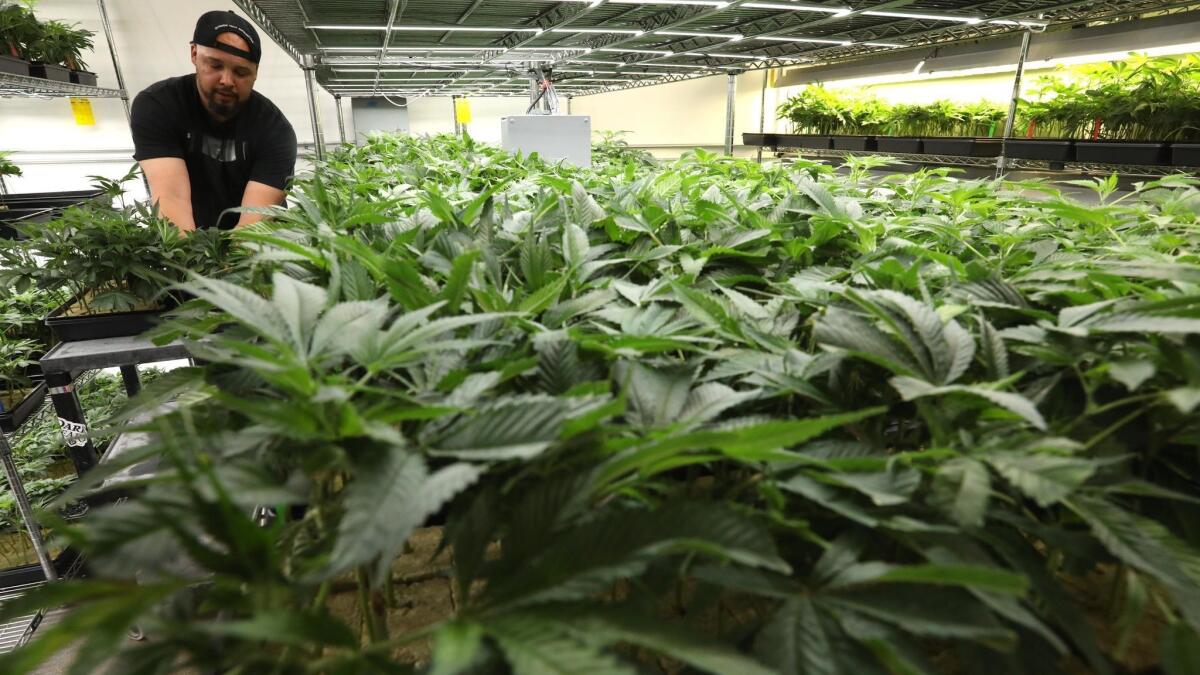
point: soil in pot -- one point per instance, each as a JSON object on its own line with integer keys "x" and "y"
{"x": 859, "y": 143}
{"x": 1185, "y": 154}
{"x": 14, "y": 66}
{"x": 1120, "y": 152}
{"x": 83, "y": 77}
{"x": 52, "y": 72}
{"x": 1038, "y": 148}
{"x": 904, "y": 145}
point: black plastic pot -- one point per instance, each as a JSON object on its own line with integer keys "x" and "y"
{"x": 13, "y": 418}
{"x": 1120, "y": 152}
{"x": 83, "y": 77}
{"x": 1040, "y": 148}
{"x": 805, "y": 141}
{"x": 900, "y": 144}
{"x": 100, "y": 326}
{"x": 1185, "y": 154}
{"x": 859, "y": 143}
{"x": 14, "y": 66}
{"x": 962, "y": 147}
{"x": 764, "y": 140}
{"x": 48, "y": 71}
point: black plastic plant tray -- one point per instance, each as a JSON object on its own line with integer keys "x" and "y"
{"x": 14, "y": 66}
{"x": 8, "y": 218}
{"x": 1120, "y": 152}
{"x": 83, "y": 77}
{"x": 859, "y": 143}
{"x": 100, "y": 326}
{"x": 963, "y": 147}
{"x": 43, "y": 200}
{"x": 805, "y": 141}
{"x": 51, "y": 72}
{"x": 11, "y": 420}
{"x": 765, "y": 140}
{"x": 900, "y": 144}
{"x": 1185, "y": 154}
{"x": 1040, "y": 148}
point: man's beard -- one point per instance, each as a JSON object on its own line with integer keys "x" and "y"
{"x": 216, "y": 107}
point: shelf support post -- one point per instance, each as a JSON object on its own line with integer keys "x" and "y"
{"x": 762, "y": 111}
{"x": 341, "y": 118}
{"x": 112, "y": 51}
{"x": 729, "y": 112}
{"x": 309, "y": 64}
{"x": 1002, "y": 160}
{"x": 26, "y": 510}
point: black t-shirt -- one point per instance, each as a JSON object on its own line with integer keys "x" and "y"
{"x": 258, "y": 144}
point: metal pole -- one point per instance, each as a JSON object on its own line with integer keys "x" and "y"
{"x": 341, "y": 119}
{"x": 569, "y": 100}
{"x": 729, "y": 114}
{"x": 112, "y": 51}
{"x": 1002, "y": 160}
{"x": 454, "y": 113}
{"x": 308, "y": 63}
{"x": 22, "y": 500}
{"x": 762, "y": 112}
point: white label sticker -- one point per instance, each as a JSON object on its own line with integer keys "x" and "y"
{"x": 74, "y": 433}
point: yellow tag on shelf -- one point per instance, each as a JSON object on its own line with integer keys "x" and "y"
{"x": 462, "y": 111}
{"x": 82, "y": 108}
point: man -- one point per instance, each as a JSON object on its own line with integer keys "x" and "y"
{"x": 208, "y": 142}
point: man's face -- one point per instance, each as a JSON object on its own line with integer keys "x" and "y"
{"x": 225, "y": 81}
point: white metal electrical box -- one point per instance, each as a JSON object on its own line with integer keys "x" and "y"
{"x": 554, "y": 137}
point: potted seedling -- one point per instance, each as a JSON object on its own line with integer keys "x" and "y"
{"x": 18, "y": 29}
{"x": 58, "y": 53}
{"x": 116, "y": 265}
{"x": 21, "y": 388}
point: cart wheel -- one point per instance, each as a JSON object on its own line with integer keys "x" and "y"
{"x": 136, "y": 634}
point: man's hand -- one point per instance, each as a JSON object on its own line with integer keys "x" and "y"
{"x": 259, "y": 194}
{"x": 171, "y": 190}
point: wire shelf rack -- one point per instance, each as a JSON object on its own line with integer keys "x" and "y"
{"x": 35, "y": 87}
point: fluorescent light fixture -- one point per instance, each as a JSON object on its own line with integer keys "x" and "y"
{"x": 599, "y": 31}
{"x": 823, "y": 41}
{"x": 798, "y": 7}
{"x": 432, "y": 29}
{"x": 881, "y": 44}
{"x": 715, "y": 4}
{"x": 698, "y": 33}
{"x": 721, "y": 55}
{"x": 926, "y": 17}
{"x": 653, "y": 52}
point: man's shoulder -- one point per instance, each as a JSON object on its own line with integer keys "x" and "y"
{"x": 171, "y": 85}
{"x": 269, "y": 116}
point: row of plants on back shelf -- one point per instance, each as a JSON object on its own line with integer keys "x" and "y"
{"x": 1151, "y": 98}
{"x": 817, "y": 110}
{"x": 711, "y": 415}
{"x": 25, "y": 38}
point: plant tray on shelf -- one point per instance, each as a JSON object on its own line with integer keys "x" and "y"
{"x": 962, "y": 147}
{"x": 14, "y": 66}
{"x": 859, "y": 143}
{"x": 48, "y": 71}
{"x": 1185, "y": 154}
{"x": 1040, "y": 148}
{"x": 30, "y": 200}
{"x": 766, "y": 140}
{"x": 899, "y": 144}
{"x": 83, "y": 77}
{"x": 12, "y": 418}
{"x": 1120, "y": 152}
{"x": 76, "y": 328}
{"x": 805, "y": 141}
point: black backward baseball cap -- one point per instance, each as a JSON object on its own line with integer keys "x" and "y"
{"x": 212, "y": 24}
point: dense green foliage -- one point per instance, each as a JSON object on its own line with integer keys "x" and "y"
{"x": 23, "y": 36}
{"x": 876, "y": 424}
{"x": 113, "y": 259}
{"x": 1154, "y": 98}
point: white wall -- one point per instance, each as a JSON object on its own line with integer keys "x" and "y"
{"x": 378, "y": 114}
{"x": 151, "y": 38}
{"x": 669, "y": 119}
{"x": 435, "y": 115}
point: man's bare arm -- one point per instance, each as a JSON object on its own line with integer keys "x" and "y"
{"x": 171, "y": 189}
{"x": 259, "y": 194}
